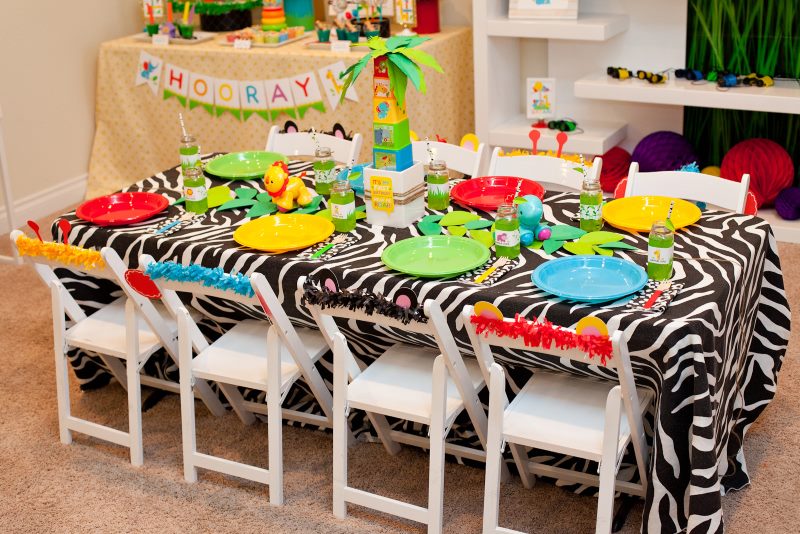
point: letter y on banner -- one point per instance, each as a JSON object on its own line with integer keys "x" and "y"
{"x": 306, "y": 93}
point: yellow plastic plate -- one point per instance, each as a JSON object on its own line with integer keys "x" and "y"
{"x": 283, "y": 232}
{"x": 639, "y": 213}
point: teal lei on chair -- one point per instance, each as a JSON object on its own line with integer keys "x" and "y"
{"x": 216, "y": 278}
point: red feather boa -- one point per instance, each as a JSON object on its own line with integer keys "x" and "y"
{"x": 545, "y": 335}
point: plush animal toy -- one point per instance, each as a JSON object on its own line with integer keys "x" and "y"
{"x": 530, "y": 214}
{"x": 283, "y": 189}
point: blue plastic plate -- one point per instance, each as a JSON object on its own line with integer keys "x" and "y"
{"x": 589, "y": 278}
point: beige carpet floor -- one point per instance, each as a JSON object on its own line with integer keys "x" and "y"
{"x": 91, "y": 486}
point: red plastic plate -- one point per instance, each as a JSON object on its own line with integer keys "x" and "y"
{"x": 488, "y": 192}
{"x": 122, "y": 208}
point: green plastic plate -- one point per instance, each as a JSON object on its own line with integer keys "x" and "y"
{"x": 243, "y": 165}
{"x": 436, "y": 256}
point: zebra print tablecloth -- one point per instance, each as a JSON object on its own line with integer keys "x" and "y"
{"x": 712, "y": 357}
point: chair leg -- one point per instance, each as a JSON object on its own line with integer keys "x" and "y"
{"x": 188, "y": 432}
{"x": 274, "y": 418}
{"x": 134, "y": 386}
{"x": 608, "y": 463}
{"x": 340, "y": 429}
{"x": 494, "y": 453}
{"x": 520, "y": 455}
{"x": 437, "y": 432}
{"x": 62, "y": 365}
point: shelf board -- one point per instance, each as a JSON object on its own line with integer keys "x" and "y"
{"x": 786, "y": 231}
{"x": 783, "y": 97}
{"x": 596, "y": 138}
{"x": 588, "y": 27}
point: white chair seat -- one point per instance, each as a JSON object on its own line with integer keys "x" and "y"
{"x": 239, "y": 357}
{"x": 400, "y": 384}
{"x": 104, "y": 332}
{"x": 565, "y": 414}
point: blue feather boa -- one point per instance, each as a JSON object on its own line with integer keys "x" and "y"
{"x": 216, "y": 278}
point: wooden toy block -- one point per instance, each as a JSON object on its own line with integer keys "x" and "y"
{"x": 387, "y": 111}
{"x": 393, "y": 160}
{"x": 393, "y": 136}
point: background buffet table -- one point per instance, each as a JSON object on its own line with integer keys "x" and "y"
{"x": 138, "y": 132}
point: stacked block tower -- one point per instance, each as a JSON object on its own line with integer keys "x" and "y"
{"x": 272, "y": 15}
{"x": 392, "y": 140}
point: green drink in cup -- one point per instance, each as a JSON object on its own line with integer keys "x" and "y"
{"x": 438, "y": 179}
{"x": 660, "y": 249}
{"x": 343, "y": 206}
{"x": 324, "y": 170}
{"x": 506, "y": 231}
{"x": 591, "y": 206}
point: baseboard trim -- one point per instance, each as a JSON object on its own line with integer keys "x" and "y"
{"x": 48, "y": 201}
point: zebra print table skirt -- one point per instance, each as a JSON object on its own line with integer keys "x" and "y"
{"x": 712, "y": 357}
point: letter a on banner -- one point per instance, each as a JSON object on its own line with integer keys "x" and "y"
{"x": 201, "y": 91}
{"x": 253, "y": 98}
{"x": 176, "y": 83}
{"x": 148, "y": 71}
{"x": 306, "y": 93}
{"x": 226, "y": 96}
{"x": 279, "y": 96}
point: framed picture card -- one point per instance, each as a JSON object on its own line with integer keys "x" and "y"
{"x": 543, "y": 9}
{"x": 540, "y": 100}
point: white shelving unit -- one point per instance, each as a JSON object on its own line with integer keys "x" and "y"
{"x": 588, "y": 27}
{"x": 596, "y": 138}
{"x": 605, "y": 33}
{"x": 783, "y": 97}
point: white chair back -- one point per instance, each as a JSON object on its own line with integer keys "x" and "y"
{"x": 713, "y": 190}
{"x": 558, "y": 173}
{"x": 460, "y": 159}
{"x": 302, "y": 144}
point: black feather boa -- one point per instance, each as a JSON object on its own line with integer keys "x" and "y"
{"x": 360, "y": 299}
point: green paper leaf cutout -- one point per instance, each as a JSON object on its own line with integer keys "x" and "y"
{"x": 457, "y": 230}
{"x": 536, "y": 245}
{"x": 360, "y": 215}
{"x": 552, "y": 245}
{"x": 179, "y": 201}
{"x": 398, "y": 81}
{"x": 457, "y": 218}
{"x": 325, "y": 214}
{"x": 618, "y": 245}
{"x": 429, "y": 228}
{"x": 259, "y": 210}
{"x": 601, "y": 237}
{"x": 579, "y": 248}
{"x": 563, "y": 232}
{"x": 603, "y": 251}
{"x": 480, "y": 223}
{"x": 219, "y": 195}
{"x": 422, "y": 58}
{"x": 266, "y": 198}
{"x": 246, "y": 193}
{"x": 482, "y": 236}
{"x": 236, "y": 204}
{"x": 362, "y": 207}
{"x": 433, "y": 218}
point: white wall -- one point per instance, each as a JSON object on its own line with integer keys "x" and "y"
{"x": 48, "y": 58}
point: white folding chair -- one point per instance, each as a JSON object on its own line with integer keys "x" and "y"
{"x": 713, "y": 190}
{"x": 464, "y": 160}
{"x": 302, "y": 144}
{"x": 426, "y": 386}
{"x": 108, "y": 332}
{"x": 557, "y": 172}
{"x": 566, "y": 414}
{"x": 252, "y": 355}
{"x": 8, "y": 198}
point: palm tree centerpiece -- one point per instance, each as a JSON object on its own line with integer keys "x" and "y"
{"x": 396, "y": 60}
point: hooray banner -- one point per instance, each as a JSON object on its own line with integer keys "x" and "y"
{"x": 269, "y": 99}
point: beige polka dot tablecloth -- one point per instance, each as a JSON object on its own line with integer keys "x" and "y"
{"x": 138, "y": 132}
